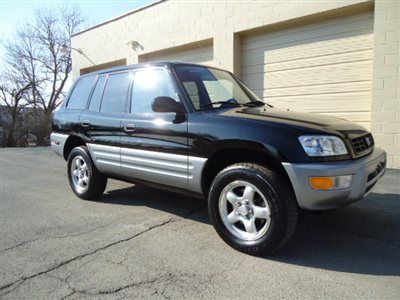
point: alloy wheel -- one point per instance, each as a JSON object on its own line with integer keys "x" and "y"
{"x": 80, "y": 174}
{"x": 244, "y": 210}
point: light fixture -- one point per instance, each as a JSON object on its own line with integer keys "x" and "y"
{"x": 65, "y": 50}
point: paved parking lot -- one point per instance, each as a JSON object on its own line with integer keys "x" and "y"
{"x": 145, "y": 243}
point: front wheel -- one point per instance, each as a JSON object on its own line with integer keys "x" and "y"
{"x": 252, "y": 208}
{"x": 84, "y": 178}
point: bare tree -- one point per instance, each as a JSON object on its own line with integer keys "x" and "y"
{"x": 36, "y": 55}
{"x": 13, "y": 95}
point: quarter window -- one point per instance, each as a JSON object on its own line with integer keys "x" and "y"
{"x": 81, "y": 92}
{"x": 115, "y": 93}
{"x": 148, "y": 84}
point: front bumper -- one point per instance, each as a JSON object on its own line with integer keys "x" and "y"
{"x": 366, "y": 171}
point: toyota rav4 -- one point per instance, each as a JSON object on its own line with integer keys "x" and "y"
{"x": 200, "y": 130}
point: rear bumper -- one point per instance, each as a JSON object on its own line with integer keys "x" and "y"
{"x": 58, "y": 142}
{"x": 366, "y": 171}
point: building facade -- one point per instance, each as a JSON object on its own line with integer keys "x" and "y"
{"x": 340, "y": 58}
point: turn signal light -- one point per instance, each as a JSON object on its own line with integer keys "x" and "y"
{"x": 331, "y": 182}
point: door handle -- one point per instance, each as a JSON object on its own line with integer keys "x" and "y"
{"x": 129, "y": 128}
{"x": 85, "y": 123}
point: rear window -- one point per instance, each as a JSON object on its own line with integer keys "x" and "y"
{"x": 80, "y": 93}
{"x": 115, "y": 93}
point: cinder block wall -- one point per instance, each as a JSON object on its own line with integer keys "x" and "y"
{"x": 169, "y": 24}
{"x": 385, "y": 112}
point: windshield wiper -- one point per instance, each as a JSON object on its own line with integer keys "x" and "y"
{"x": 223, "y": 104}
{"x": 257, "y": 103}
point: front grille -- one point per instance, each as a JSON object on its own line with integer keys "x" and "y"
{"x": 362, "y": 144}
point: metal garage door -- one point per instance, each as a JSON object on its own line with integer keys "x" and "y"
{"x": 201, "y": 55}
{"x": 324, "y": 67}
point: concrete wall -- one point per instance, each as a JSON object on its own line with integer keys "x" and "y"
{"x": 173, "y": 24}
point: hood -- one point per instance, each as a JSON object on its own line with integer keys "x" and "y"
{"x": 301, "y": 120}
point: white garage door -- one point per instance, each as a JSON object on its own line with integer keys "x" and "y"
{"x": 324, "y": 67}
{"x": 200, "y": 55}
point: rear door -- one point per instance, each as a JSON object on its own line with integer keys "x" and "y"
{"x": 67, "y": 118}
{"x": 101, "y": 122}
{"x": 154, "y": 145}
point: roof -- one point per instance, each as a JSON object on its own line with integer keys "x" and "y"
{"x": 118, "y": 17}
{"x": 139, "y": 65}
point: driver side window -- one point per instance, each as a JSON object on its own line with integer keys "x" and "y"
{"x": 148, "y": 84}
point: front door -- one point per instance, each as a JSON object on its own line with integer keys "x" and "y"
{"x": 154, "y": 145}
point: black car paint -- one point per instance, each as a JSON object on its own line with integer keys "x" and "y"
{"x": 202, "y": 133}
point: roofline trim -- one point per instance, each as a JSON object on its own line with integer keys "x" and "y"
{"x": 147, "y": 64}
{"x": 118, "y": 17}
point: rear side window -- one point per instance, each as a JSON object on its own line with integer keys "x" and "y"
{"x": 115, "y": 93}
{"x": 95, "y": 101}
{"x": 81, "y": 92}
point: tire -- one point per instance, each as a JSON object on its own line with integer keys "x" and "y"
{"x": 263, "y": 223}
{"x": 95, "y": 183}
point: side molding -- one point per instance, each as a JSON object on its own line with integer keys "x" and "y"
{"x": 195, "y": 170}
{"x": 174, "y": 170}
{"x": 106, "y": 158}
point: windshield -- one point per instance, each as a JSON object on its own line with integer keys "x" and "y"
{"x": 210, "y": 88}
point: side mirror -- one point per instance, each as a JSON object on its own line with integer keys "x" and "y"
{"x": 167, "y": 104}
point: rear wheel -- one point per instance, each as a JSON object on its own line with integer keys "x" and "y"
{"x": 84, "y": 178}
{"x": 252, "y": 208}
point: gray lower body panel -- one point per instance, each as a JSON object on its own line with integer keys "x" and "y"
{"x": 175, "y": 170}
{"x": 58, "y": 142}
{"x": 106, "y": 158}
{"x": 365, "y": 173}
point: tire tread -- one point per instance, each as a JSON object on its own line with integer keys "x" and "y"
{"x": 98, "y": 181}
{"x": 281, "y": 187}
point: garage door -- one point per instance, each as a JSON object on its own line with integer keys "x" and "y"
{"x": 324, "y": 67}
{"x": 200, "y": 55}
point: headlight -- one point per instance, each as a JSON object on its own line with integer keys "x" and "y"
{"x": 322, "y": 145}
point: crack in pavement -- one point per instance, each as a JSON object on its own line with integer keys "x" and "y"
{"x": 114, "y": 290}
{"x": 167, "y": 277}
{"x": 19, "y": 245}
{"x": 24, "y": 278}
{"x": 81, "y": 256}
{"x": 17, "y": 283}
{"x": 53, "y": 237}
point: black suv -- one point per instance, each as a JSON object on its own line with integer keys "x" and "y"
{"x": 201, "y": 130}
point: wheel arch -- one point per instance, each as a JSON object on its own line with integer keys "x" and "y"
{"x": 72, "y": 142}
{"x": 242, "y": 152}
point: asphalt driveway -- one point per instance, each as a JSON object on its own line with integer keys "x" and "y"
{"x": 145, "y": 243}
